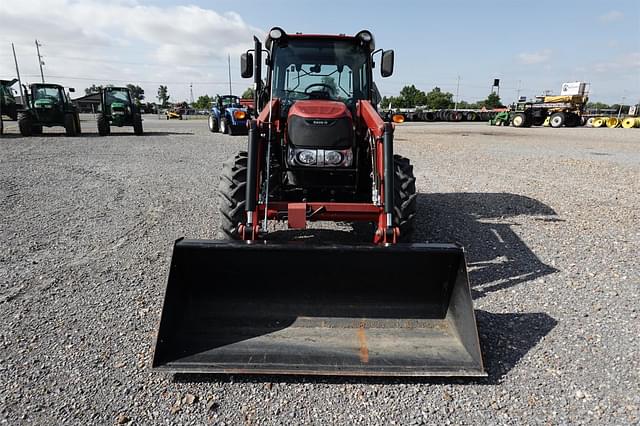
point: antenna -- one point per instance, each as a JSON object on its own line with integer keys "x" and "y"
{"x": 40, "y": 61}
{"x": 229, "y": 62}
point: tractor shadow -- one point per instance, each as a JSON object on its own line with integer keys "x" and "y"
{"x": 96, "y": 135}
{"x": 483, "y": 223}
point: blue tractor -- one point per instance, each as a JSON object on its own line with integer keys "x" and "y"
{"x": 228, "y": 115}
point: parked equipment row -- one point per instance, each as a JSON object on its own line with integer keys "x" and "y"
{"x": 442, "y": 115}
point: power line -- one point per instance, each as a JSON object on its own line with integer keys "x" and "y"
{"x": 134, "y": 80}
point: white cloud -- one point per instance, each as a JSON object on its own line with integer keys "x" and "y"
{"x": 628, "y": 62}
{"x": 96, "y": 41}
{"x": 612, "y": 16}
{"x": 530, "y": 58}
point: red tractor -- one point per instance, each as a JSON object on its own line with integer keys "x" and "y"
{"x": 318, "y": 150}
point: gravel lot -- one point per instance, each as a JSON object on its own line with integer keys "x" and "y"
{"x": 549, "y": 218}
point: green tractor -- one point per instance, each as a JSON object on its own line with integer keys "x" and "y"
{"x": 118, "y": 108}
{"x": 8, "y": 104}
{"x": 500, "y": 119}
{"x": 48, "y": 105}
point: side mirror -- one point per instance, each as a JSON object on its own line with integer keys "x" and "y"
{"x": 72, "y": 90}
{"x": 246, "y": 65}
{"x": 386, "y": 68}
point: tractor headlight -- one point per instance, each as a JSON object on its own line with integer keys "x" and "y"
{"x": 240, "y": 115}
{"x": 332, "y": 158}
{"x": 320, "y": 157}
{"x": 307, "y": 156}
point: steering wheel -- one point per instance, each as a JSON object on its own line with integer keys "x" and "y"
{"x": 326, "y": 86}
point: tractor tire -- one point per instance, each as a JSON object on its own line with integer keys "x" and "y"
{"x": 103, "y": 125}
{"x": 557, "y": 119}
{"x": 1, "y": 125}
{"x": 232, "y": 195}
{"x": 571, "y": 120}
{"x": 519, "y": 120}
{"x": 224, "y": 126}
{"x": 137, "y": 125}
{"x": 404, "y": 197}
{"x": 212, "y": 122}
{"x": 36, "y": 130}
{"x": 25, "y": 124}
{"x": 78, "y": 127}
{"x": 70, "y": 125}
{"x": 538, "y": 121}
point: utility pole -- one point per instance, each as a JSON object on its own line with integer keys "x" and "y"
{"x": 229, "y": 62}
{"x": 191, "y": 92}
{"x": 40, "y": 61}
{"x": 22, "y": 99}
{"x": 621, "y": 105}
{"x": 457, "y": 93}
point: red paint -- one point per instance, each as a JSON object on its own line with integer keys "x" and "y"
{"x": 297, "y": 215}
{"x": 320, "y": 109}
{"x": 371, "y": 118}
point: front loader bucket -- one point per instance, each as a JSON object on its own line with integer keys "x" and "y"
{"x": 267, "y": 308}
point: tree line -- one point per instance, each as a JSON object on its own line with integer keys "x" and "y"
{"x": 412, "y": 97}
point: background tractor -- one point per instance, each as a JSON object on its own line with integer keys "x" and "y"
{"x": 228, "y": 115}
{"x": 8, "y": 105}
{"x": 318, "y": 151}
{"x": 48, "y": 105}
{"x": 566, "y": 109}
{"x": 118, "y": 108}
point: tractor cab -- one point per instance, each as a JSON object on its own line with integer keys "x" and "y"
{"x": 48, "y": 101}
{"x": 117, "y": 101}
{"x": 117, "y": 108}
{"x": 48, "y": 105}
{"x": 228, "y": 101}
{"x": 8, "y": 105}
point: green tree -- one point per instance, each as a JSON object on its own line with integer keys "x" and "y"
{"x": 467, "y": 105}
{"x": 597, "y": 105}
{"x": 411, "y": 97}
{"x": 389, "y": 102}
{"x": 203, "y": 102}
{"x": 492, "y": 101}
{"x": 437, "y": 99}
{"x": 248, "y": 94}
{"x": 93, "y": 89}
{"x": 137, "y": 93}
{"x": 163, "y": 95}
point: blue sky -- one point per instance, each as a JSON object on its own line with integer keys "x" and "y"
{"x": 534, "y": 48}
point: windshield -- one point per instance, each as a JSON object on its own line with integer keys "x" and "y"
{"x": 5, "y": 93}
{"x": 117, "y": 96}
{"x": 49, "y": 93}
{"x": 230, "y": 101}
{"x": 321, "y": 69}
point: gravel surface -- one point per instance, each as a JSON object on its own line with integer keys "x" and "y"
{"x": 549, "y": 218}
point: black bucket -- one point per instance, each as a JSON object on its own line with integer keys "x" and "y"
{"x": 274, "y": 308}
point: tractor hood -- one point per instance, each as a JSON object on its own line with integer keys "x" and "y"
{"x": 43, "y": 103}
{"x": 320, "y": 124}
{"x": 118, "y": 106}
